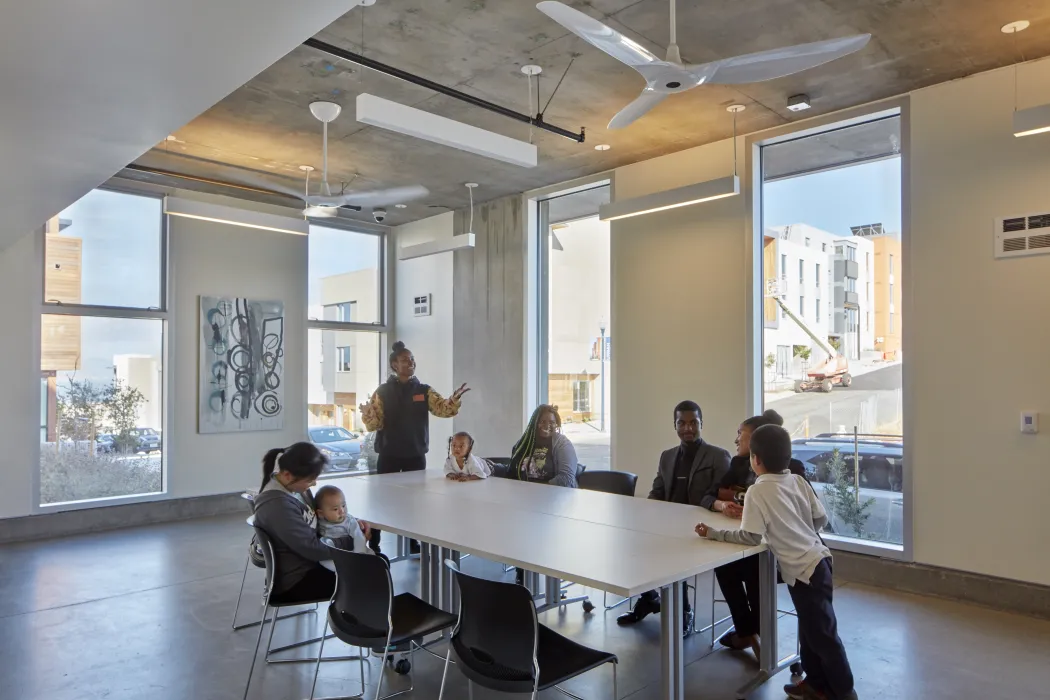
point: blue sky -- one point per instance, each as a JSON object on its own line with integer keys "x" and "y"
{"x": 837, "y": 199}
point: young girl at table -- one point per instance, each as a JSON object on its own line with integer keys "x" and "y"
{"x": 462, "y": 464}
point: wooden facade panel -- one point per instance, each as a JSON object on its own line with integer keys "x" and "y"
{"x": 62, "y": 269}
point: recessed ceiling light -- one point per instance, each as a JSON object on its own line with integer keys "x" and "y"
{"x": 400, "y": 206}
{"x": 531, "y": 70}
{"x": 799, "y": 103}
{"x": 733, "y": 109}
{"x": 1014, "y": 27}
{"x": 602, "y": 147}
{"x": 306, "y": 168}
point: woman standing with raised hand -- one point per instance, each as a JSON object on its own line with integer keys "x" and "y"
{"x": 399, "y": 413}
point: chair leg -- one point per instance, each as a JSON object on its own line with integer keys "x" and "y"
{"x": 616, "y": 690}
{"x": 320, "y": 653}
{"x": 386, "y": 650}
{"x": 258, "y": 641}
{"x": 273, "y": 628}
{"x": 361, "y": 664}
{"x": 240, "y": 591}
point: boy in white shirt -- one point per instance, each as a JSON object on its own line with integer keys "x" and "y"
{"x": 783, "y": 508}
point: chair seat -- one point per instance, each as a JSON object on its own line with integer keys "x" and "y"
{"x": 559, "y": 659}
{"x": 412, "y": 618}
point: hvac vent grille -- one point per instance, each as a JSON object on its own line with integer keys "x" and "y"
{"x": 1011, "y": 239}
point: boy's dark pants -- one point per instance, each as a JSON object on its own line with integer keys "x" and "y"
{"x": 823, "y": 656}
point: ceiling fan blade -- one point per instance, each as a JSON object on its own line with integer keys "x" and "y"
{"x": 321, "y": 212}
{"x": 768, "y": 65}
{"x": 380, "y": 198}
{"x": 637, "y": 109}
{"x": 598, "y": 35}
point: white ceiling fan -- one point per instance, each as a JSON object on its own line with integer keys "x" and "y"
{"x": 670, "y": 75}
{"x": 326, "y": 204}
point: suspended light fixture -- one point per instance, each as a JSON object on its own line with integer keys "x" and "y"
{"x": 681, "y": 197}
{"x": 1035, "y": 120}
{"x": 460, "y": 242}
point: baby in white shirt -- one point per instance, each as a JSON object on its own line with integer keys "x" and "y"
{"x": 335, "y": 524}
{"x": 461, "y": 465}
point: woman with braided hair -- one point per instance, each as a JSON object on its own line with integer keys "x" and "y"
{"x": 543, "y": 454}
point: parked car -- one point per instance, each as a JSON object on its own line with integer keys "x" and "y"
{"x": 105, "y": 444}
{"x": 881, "y": 458}
{"x": 339, "y": 445}
{"x": 147, "y": 440}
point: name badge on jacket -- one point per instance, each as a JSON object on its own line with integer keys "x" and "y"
{"x": 419, "y": 397}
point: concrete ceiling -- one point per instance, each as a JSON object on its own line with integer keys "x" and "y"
{"x": 87, "y": 87}
{"x": 480, "y": 45}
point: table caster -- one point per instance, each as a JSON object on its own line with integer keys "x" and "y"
{"x": 796, "y": 668}
{"x": 402, "y": 667}
{"x": 588, "y": 606}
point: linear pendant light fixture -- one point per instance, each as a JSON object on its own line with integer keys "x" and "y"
{"x": 460, "y": 242}
{"x": 681, "y": 197}
{"x": 384, "y": 114}
{"x": 1035, "y": 120}
{"x": 217, "y": 213}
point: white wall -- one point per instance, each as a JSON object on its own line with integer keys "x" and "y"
{"x": 678, "y": 301}
{"x": 430, "y": 338}
{"x": 21, "y": 284}
{"x": 976, "y": 331}
{"x": 218, "y": 259}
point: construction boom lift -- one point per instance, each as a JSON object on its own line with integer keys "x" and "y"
{"x": 832, "y": 371}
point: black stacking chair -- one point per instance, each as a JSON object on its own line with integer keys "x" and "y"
{"x": 365, "y": 612}
{"x": 619, "y": 483}
{"x": 276, "y": 601}
{"x": 500, "y": 644}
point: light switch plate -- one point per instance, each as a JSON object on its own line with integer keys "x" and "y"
{"x": 1029, "y": 422}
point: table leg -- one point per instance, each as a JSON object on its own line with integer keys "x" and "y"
{"x": 436, "y": 568}
{"x": 769, "y": 663}
{"x": 424, "y": 572}
{"x": 672, "y": 685}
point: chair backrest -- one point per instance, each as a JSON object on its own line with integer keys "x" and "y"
{"x": 364, "y": 592}
{"x": 266, "y": 545}
{"x": 620, "y": 483}
{"x": 498, "y": 631}
{"x": 500, "y": 466}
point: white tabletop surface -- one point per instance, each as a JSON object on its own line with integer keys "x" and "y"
{"x": 640, "y": 514}
{"x": 612, "y": 543}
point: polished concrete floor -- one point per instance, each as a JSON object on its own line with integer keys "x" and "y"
{"x": 145, "y": 614}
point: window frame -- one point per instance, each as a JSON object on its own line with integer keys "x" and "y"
{"x": 899, "y": 107}
{"x": 380, "y": 329}
{"x": 161, "y": 313}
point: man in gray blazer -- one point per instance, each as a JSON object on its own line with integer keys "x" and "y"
{"x": 688, "y": 474}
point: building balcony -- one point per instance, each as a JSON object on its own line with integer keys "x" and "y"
{"x": 847, "y": 269}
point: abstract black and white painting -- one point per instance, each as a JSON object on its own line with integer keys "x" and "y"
{"x": 241, "y": 365}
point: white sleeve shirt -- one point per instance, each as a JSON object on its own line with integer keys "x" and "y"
{"x": 472, "y": 466}
{"x": 785, "y": 510}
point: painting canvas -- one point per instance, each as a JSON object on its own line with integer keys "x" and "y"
{"x": 241, "y": 365}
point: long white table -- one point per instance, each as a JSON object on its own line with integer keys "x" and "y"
{"x": 613, "y": 543}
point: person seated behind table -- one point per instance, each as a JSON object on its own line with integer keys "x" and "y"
{"x": 739, "y": 580}
{"x": 335, "y": 524}
{"x": 543, "y": 455}
{"x": 284, "y": 510}
{"x": 462, "y": 464}
{"x": 689, "y": 473}
{"x": 783, "y": 509}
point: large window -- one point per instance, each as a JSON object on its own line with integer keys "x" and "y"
{"x": 841, "y": 395}
{"x": 344, "y": 359}
{"x": 101, "y": 354}
{"x": 575, "y": 328}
